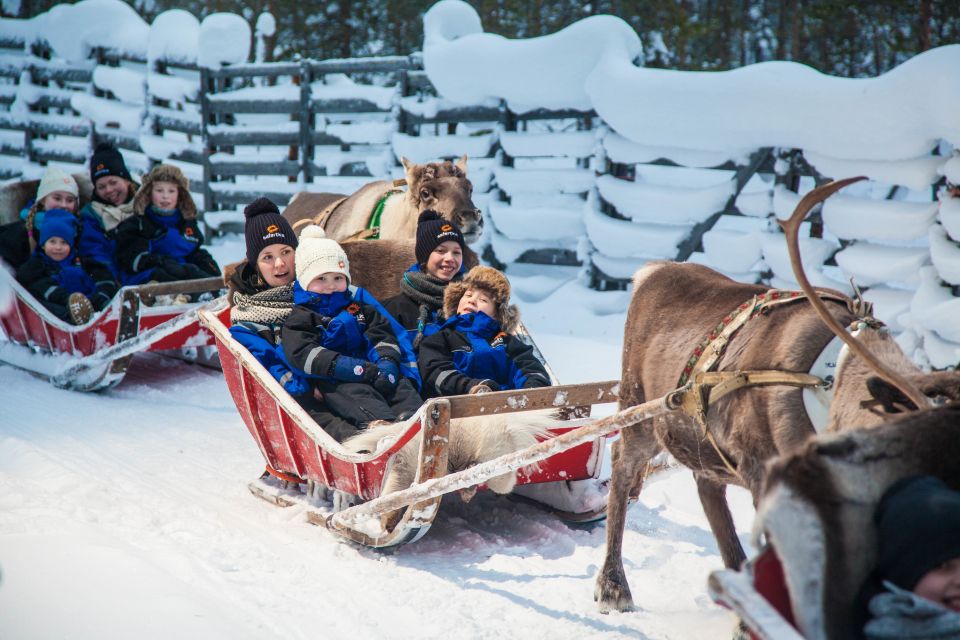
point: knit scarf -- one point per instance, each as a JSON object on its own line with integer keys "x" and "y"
{"x": 901, "y": 615}
{"x": 111, "y": 214}
{"x": 266, "y": 307}
{"x": 426, "y": 291}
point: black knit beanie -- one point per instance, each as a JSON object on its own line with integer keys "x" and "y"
{"x": 265, "y": 226}
{"x": 918, "y": 519}
{"x": 107, "y": 161}
{"x": 433, "y": 230}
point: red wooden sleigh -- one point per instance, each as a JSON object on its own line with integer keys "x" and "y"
{"x": 296, "y": 449}
{"x": 96, "y": 355}
{"x": 816, "y": 520}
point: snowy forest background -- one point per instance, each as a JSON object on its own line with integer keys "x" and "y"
{"x": 837, "y": 37}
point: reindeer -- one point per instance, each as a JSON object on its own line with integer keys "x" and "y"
{"x": 741, "y": 431}
{"x": 441, "y": 186}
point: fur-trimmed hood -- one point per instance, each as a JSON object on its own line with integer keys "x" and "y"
{"x": 166, "y": 173}
{"x": 492, "y": 282}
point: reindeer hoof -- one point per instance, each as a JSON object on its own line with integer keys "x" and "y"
{"x": 611, "y": 595}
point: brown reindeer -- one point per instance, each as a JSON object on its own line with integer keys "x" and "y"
{"x": 673, "y": 307}
{"x": 441, "y": 186}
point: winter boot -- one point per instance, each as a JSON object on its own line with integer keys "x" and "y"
{"x": 80, "y": 308}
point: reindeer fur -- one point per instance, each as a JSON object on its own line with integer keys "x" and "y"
{"x": 672, "y": 308}
{"x": 441, "y": 186}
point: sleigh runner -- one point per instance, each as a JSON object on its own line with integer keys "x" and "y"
{"x": 298, "y": 451}
{"x": 96, "y": 355}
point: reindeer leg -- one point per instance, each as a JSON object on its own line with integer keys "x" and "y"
{"x": 630, "y": 455}
{"x": 713, "y": 498}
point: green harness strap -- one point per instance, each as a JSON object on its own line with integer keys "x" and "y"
{"x": 374, "y": 224}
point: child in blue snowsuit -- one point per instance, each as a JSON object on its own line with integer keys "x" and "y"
{"x": 474, "y": 351}
{"x": 341, "y": 338}
{"x": 162, "y": 243}
{"x": 55, "y": 275}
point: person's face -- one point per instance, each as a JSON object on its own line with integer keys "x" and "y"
{"x": 56, "y": 249}
{"x": 163, "y": 195}
{"x": 476, "y": 300}
{"x": 60, "y": 200}
{"x": 942, "y": 585}
{"x": 445, "y": 261}
{"x": 112, "y": 189}
{"x": 275, "y": 263}
{"x": 328, "y": 283}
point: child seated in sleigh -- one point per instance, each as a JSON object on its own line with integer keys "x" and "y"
{"x": 340, "y": 337}
{"x": 69, "y": 286}
{"x": 163, "y": 242}
{"x": 475, "y": 351}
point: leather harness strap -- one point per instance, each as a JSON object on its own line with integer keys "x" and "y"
{"x": 709, "y": 386}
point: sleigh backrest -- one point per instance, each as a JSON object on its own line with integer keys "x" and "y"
{"x": 818, "y": 507}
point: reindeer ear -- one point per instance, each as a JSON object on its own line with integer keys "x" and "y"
{"x": 461, "y": 164}
{"x": 407, "y": 165}
{"x": 890, "y": 397}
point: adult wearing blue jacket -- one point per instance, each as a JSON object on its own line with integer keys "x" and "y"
{"x": 261, "y": 294}
{"x": 475, "y": 350}
{"x": 112, "y": 203}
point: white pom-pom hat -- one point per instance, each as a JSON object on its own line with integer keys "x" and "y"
{"x": 317, "y": 254}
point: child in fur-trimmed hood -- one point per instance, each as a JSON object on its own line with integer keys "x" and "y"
{"x": 162, "y": 242}
{"x": 475, "y": 350}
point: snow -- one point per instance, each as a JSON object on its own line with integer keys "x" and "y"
{"x": 950, "y": 216}
{"x": 546, "y": 181}
{"x": 425, "y": 148}
{"x": 871, "y": 264}
{"x": 899, "y": 115}
{"x": 72, "y": 30}
{"x": 108, "y": 113}
{"x": 126, "y": 84}
{"x": 658, "y": 203}
{"x": 546, "y": 72}
{"x": 951, "y": 169}
{"x": 174, "y": 36}
{"x": 620, "y": 149}
{"x": 878, "y": 220}
{"x": 945, "y": 255}
{"x": 576, "y": 144}
{"x": 224, "y": 39}
{"x": 915, "y": 173}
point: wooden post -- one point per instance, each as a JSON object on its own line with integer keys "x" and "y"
{"x": 208, "y": 149}
{"x": 306, "y": 122}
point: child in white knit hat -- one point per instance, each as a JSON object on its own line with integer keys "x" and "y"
{"x": 57, "y": 190}
{"x": 340, "y": 337}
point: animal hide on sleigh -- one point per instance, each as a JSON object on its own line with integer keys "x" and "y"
{"x": 472, "y": 440}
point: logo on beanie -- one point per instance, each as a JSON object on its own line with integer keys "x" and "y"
{"x": 341, "y": 264}
{"x": 273, "y": 228}
{"x": 273, "y": 231}
{"x": 446, "y": 227}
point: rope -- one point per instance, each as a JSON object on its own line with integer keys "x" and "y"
{"x": 286, "y": 477}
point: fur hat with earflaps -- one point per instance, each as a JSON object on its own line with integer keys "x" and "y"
{"x": 317, "y": 254}
{"x": 166, "y": 173}
{"x": 492, "y": 282}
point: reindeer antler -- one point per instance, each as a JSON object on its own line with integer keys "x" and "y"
{"x": 791, "y": 228}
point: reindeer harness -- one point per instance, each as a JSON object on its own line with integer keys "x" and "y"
{"x": 709, "y": 386}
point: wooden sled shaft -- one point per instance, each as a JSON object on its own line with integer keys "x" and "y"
{"x": 511, "y": 462}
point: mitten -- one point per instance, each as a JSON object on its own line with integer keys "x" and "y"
{"x": 347, "y": 369}
{"x": 388, "y": 378}
{"x": 484, "y": 386}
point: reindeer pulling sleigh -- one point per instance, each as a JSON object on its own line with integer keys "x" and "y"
{"x": 96, "y": 355}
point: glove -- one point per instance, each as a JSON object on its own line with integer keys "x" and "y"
{"x": 484, "y": 386}
{"x": 387, "y": 378}
{"x": 347, "y": 369}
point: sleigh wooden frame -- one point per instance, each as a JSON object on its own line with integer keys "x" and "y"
{"x": 295, "y": 447}
{"x": 95, "y": 356}
{"x": 816, "y": 523}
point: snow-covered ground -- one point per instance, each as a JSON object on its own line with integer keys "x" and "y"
{"x": 126, "y": 514}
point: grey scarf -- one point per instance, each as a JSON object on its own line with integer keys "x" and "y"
{"x": 897, "y": 614}
{"x": 426, "y": 291}
{"x": 267, "y": 307}
{"x": 111, "y": 215}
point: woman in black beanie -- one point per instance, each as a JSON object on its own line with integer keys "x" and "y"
{"x": 914, "y": 591}
{"x": 439, "y": 250}
{"x": 261, "y": 295}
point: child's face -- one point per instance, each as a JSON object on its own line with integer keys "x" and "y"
{"x": 328, "y": 283}
{"x": 56, "y": 248}
{"x": 942, "y": 585}
{"x": 476, "y": 300}
{"x": 163, "y": 195}
{"x": 275, "y": 263}
{"x": 444, "y": 261}
{"x": 60, "y": 200}
{"x": 112, "y": 189}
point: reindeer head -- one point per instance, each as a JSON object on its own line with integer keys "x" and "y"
{"x": 444, "y": 187}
